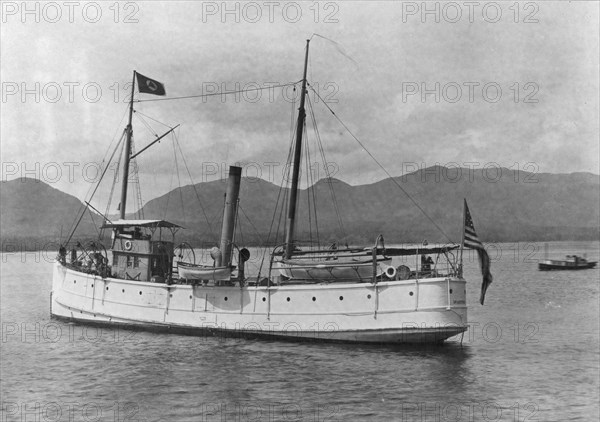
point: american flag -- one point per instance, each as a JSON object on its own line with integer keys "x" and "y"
{"x": 470, "y": 237}
{"x": 470, "y": 240}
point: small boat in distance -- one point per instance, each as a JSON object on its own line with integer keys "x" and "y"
{"x": 571, "y": 262}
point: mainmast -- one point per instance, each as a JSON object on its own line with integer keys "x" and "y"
{"x": 292, "y": 205}
{"x": 129, "y": 130}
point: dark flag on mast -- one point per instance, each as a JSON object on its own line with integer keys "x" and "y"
{"x": 470, "y": 240}
{"x": 149, "y": 86}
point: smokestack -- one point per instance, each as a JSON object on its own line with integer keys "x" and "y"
{"x": 229, "y": 215}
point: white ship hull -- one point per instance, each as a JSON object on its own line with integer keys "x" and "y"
{"x": 408, "y": 311}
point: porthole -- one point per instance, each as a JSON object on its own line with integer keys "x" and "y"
{"x": 225, "y": 298}
{"x": 341, "y": 297}
{"x": 264, "y": 299}
{"x": 288, "y": 299}
{"x": 74, "y": 281}
{"x": 92, "y": 286}
{"x": 171, "y": 295}
{"x": 368, "y": 296}
{"x": 190, "y": 296}
{"x": 122, "y": 290}
{"x": 411, "y": 293}
{"x": 450, "y": 291}
{"x": 140, "y": 292}
{"x": 106, "y": 288}
{"x": 314, "y": 299}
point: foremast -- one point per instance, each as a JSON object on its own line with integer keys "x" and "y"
{"x": 127, "y": 158}
{"x": 293, "y": 202}
{"x": 153, "y": 87}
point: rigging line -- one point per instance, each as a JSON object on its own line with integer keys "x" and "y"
{"x": 153, "y": 119}
{"x": 251, "y": 224}
{"x": 307, "y": 163}
{"x": 145, "y": 123}
{"x": 336, "y": 206}
{"x": 382, "y": 167}
{"x": 237, "y": 225}
{"x": 210, "y": 228}
{"x": 178, "y": 180}
{"x": 169, "y": 193}
{"x": 314, "y": 195}
{"x": 311, "y": 191}
{"x": 337, "y": 46}
{"x": 92, "y": 195}
{"x": 212, "y": 94}
{"x": 292, "y": 120}
{"x": 116, "y": 177}
{"x": 136, "y": 181}
{"x": 93, "y": 222}
{"x": 285, "y": 177}
{"x": 81, "y": 209}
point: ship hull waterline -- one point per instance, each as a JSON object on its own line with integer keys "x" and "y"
{"x": 394, "y": 312}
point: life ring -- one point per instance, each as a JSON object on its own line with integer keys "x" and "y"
{"x": 128, "y": 245}
{"x": 390, "y": 272}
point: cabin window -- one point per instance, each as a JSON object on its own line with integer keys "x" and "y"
{"x": 136, "y": 262}
{"x": 128, "y": 261}
{"x": 115, "y": 260}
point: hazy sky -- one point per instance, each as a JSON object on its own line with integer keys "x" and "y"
{"x": 511, "y": 84}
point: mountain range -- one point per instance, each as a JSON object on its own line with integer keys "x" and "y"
{"x": 506, "y": 205}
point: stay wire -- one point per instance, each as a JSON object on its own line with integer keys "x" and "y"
{"x": 77, "y": 220}
{"x": 383, "y": 168}
{"x": 213, "y": 94}
{"x": 336, "y": 206}
{"x": 209, "y": 226}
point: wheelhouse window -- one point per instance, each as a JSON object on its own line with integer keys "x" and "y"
{"x": 136, "y": 262}
{"x": 128, "y": 261}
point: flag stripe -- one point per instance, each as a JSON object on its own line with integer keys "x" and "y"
{"x": 470, "y": 240}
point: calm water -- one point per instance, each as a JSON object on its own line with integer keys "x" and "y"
{"x": 531, "y": 353}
